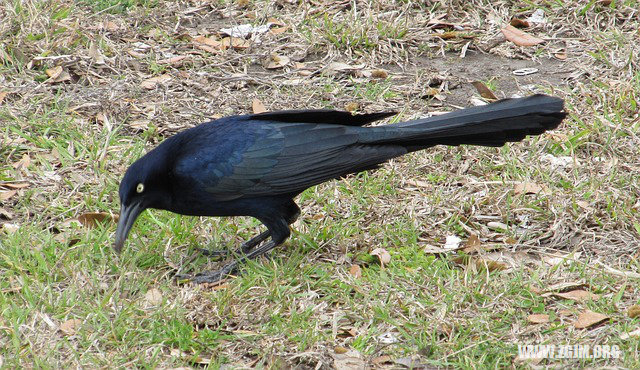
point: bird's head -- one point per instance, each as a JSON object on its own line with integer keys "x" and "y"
{"x": 144, "y": 185}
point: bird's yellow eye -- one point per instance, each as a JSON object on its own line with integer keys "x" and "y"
{"x": 140, "y": 188}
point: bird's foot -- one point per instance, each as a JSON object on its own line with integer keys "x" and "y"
{"x": 210, "y": 276}
{"x": 245, "y": 248}
{"x": 214, "y": 253}
{"x": 229, "y": 268}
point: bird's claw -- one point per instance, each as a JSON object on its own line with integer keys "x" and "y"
{"x": 207, "y": 276}
{"x": 214, "y": 253}
{"x": 204, "y": 277}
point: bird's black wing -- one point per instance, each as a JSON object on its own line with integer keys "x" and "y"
{"x": 325, "y": 116}
{"x": 261, "y": 158}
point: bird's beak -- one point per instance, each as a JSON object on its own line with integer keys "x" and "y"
{"x": 128, "y": 215}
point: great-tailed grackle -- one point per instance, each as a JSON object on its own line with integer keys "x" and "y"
{"x": 254, "y": 165}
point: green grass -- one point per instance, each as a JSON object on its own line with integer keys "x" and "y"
{"x": 117, "y": 6}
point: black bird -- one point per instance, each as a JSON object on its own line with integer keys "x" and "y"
{"x": 255, "y": 165}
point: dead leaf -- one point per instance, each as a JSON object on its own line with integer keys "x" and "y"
{"x": 207, "y": 41}
{"x": 92, "y": 219}
{"x": 140, "y": 124}
{"x": 257, "y": 106}
{"x": 430, "y": 92}
{"x": 497, "y": 226}
{"x": 558, "y": 136}
{"x": 491, "y": 265}
{"x": 70, "y": 327}
{"x": 3, "y": 94}
{"x": 24, "y": 162}
{"x": 5, "y": 214}
{"x": 350, "y": 360}
{"x": 445, "y": 329}
{"x": 277, "y": 61}
{"x": 634, "y": 311}
{"x": 632, "y": 334}
{"x": 481, "y": 263}
{"x": 519, "y": 37}
{"x": 529, "y": 188}
{"x": 152, "y": 82}
{"x": 66, "y": 239}
{"x": 54, "y": 72}
{"x": 418, "y": 183}
{"x": 561, "y": 55}
{"x": 343, "y": 67}
{"x": 355, "y": 271}
{"x": 136, "y": 54}
{"x": 431, "y": 249}
{"x": 153, "y": 297}
{"x": 447, "y": 35}
{"x": 519, "y": 23}
{"x": 565, "y": 312}
{"x": 381, "y": 360}
{"x": 472, "y": 244}
{"x": 215, "y": 286}
{"x": 565, "y": 286}
{"x": 234, "y": 43}
{"x": 484, "y": 91}
{"x": 351, "y": 106}
{"x": 4, "y": 195}
{"x": 95, "y": 54}
{"x": 64, "y": 76}
{"x": 110, "y": 26}
{"x": 578, "y": 295}
{"x": 477, "y": 102}
{"x": 379, "y": 73}
{"x": 347, "y": 332}
{"x": 340, "y": 350}
{"x": 438, "y": 23}
{"x": 101, "y": 118}
{"x": 207, "y": 48}
{"x": 382, "y": 255}
{"x": 278, "y": 30}
{"x": 174, "y": 61}
{"x": 276, "y": 21}
{"x": 57, "y": 74}
{"x": 589, "y": 318}
{"x": 538, "y": 318}
{"x": 558, "y": 259}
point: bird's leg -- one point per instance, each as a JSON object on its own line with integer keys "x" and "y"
{"x": 215, "y": 276}
{"x": 277, "y": 226}
{"x": 292, "y": 213}
{"x": 243, "y": 249}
